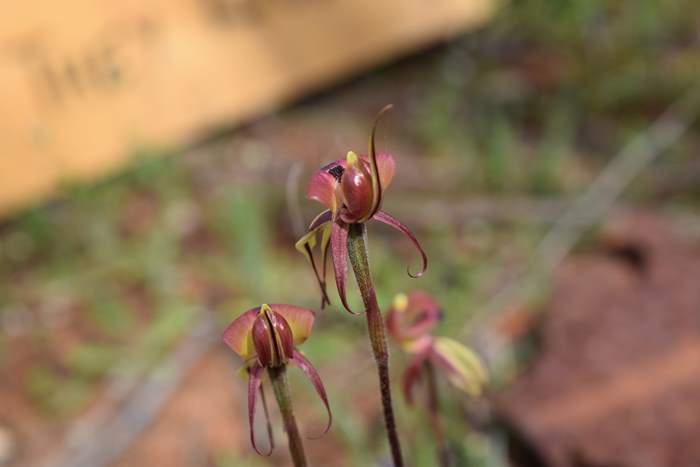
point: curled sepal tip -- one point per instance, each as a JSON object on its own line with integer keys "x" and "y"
{"x": 254, "y": 384}
{"x": 305, "y": 366}
{"x": 389, "y": 220}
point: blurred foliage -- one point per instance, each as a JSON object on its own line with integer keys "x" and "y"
{"x": 551, "y": 88}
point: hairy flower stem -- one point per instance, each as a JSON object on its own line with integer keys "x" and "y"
{"x": 443, "y": 452}
{"x": 280, "y": 385}
{"x": 357, "y": 251}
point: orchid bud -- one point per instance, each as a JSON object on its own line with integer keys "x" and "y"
{"x": 356, "y": 186}
{"x": 272, "y": 338}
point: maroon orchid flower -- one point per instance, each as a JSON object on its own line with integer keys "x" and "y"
{"x": 352, "y": 190}
{"x": 410, "y": 322}
{"x": 266, "y": 338}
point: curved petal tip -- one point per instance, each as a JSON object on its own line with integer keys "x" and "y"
{"x": 389, "y": 220}
{"x": 307, "y": 368}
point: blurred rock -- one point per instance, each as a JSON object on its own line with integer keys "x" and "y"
{"x": 617, "y": 382}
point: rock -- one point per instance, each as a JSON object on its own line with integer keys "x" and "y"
{"x": 617, "y": 382}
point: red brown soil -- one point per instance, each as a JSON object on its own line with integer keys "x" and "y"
{"x": 207, "y": 420}
{"x": 204, "y": 419}
{"x": 617, "y": 383}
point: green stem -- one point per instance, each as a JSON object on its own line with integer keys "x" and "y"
{"x": 357, "y": 251}
{"x": 280, "y": 385}
{"x": 443, "y": 453}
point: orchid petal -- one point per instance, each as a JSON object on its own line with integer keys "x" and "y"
{"x": 304, "y": 365}
{"x": 464, "y": 368}
{"x": 325, "y": 245}
{"x": 254, "y": 384}
{"x": 320, "y": 278}
{"x": 412, "y": 317}
{"x": 412, "y": 375}
{"x": 339, "y": 253}
{"x": 386, "y": 168}
{"x": 270, "y": 435}
{"x": 322, "y": 188}
{"x": 300, "y": 320}
{"x": 374, "y": 167}
{"x": 320, "y": 220}
{"x": 387, "y": 219}
{"x": 306, "y": 244}
{"x": 237, "y": 335}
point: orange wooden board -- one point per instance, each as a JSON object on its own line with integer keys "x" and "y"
{"x": 84, "y": 83}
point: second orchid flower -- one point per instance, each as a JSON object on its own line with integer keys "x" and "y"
{"x": 266, "y": 338}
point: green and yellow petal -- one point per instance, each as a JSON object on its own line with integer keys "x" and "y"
{"x": 463, "y": 367}
{"x": 238, "y": 334}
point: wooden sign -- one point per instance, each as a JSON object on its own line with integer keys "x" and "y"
{"x": 83, "y": 83}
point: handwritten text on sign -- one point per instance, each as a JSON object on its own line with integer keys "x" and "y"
{"x": 83, "y": 83}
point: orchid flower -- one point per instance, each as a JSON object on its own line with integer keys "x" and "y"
{"x": 266, "y": 338}
{"x": 411, "y": 321}
{"x": 352, "y": 190}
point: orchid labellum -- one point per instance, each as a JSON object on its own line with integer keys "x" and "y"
{"x": 352, "y": 190}
{"x": 266, "y": 338}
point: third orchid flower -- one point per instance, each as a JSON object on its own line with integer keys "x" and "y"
{"x": 411, "y": 321}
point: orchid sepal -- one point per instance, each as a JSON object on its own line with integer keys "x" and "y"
{"x": 461, "y": 365}
{"x": 301, "y": 362}
{"x": 377, "y": 189}
{"x": 306, "y": 244}
{"x": 339, "y": 256}
{"x": 391, "y": 221}
{"x": 254, "y": 385}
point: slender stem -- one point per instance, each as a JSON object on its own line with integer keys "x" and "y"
{"x": 357, "y": 251}
{"x": 443, "y": 452}
{"x": 280, "y": 385}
